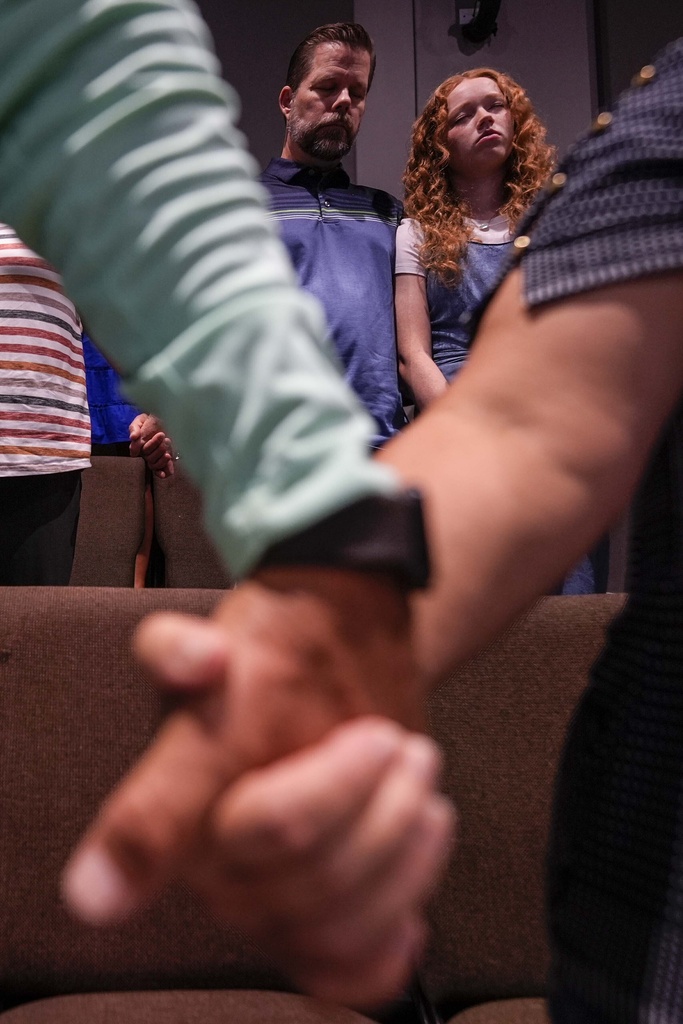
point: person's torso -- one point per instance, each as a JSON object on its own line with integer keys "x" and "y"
{"x": 450, "y": 306}
{"x": 341, "y": 241}
{"x": 44, "y": 421}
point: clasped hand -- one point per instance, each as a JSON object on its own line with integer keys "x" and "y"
{"x": 274, "y": 789}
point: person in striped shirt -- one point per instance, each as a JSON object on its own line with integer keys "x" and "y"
{"x": 44, "y": 419}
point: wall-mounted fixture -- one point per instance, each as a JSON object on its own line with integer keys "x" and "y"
{"x": 475, "y": 20}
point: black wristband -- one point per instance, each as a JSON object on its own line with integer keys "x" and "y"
{"x": 378, "y": 533}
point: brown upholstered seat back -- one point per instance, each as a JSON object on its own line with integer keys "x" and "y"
{"x": 501, "y": 721}
{"x": 74, "y": 714}
{"x": 111, "y": 524}
{"x": 190, "y": 559}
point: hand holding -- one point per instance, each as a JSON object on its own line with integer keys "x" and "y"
{"x": 288, "y": 656}
{"x": 149, "y": 440}
{"x": 330, "y": 854}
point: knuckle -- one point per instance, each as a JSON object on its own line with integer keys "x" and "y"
{"x": 288, "y": 836}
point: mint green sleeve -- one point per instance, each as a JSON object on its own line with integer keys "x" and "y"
{"x": 121, "y": 164}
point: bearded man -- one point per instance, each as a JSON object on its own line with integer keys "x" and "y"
{"x": 340, "y": 236}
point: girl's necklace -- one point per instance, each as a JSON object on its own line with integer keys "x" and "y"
{"x": 484, "y": 225}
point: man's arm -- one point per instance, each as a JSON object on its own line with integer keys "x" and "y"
{"x": 524, "y": 462}
{"x": 535, "y": 449}
{"x": 331, "y": 888}
{"x": 114, "y": 114}
{"x": 281, "y": 664}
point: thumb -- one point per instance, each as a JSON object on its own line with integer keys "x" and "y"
{"x": 135, "y": 426}
{"x": 149, "y": 826}
{"x": 182, "y": 653}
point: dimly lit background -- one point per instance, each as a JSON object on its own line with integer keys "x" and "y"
{"x": 572, "y": 56}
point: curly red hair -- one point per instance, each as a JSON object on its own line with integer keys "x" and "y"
{"x": 430, "y": 198}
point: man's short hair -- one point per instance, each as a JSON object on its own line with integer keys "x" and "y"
{"x": 348, "y": 32}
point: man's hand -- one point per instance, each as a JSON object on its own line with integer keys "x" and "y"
{"x": 288, "y": 656}
{"x": 331, "y": 852}
{"x": 149, "y": 440}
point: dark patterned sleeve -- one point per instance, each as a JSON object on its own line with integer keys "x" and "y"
{"x": 614, "y": 211}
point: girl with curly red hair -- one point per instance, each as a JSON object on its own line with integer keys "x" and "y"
{"x": 478, "y": 157}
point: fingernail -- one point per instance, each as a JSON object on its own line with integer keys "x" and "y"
{"x": 421, "y": 756}
{"x": 381, "y": 736}
{"x": 197, "y": 651}
{"x": 95, "y": 889}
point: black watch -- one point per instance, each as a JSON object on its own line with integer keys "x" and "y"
{"x": 378, "y": 533}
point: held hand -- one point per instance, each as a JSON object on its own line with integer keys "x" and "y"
{"x": 331, "y": 853}
{"x": 288, "y": 656}
{"x": 149, "y": 440}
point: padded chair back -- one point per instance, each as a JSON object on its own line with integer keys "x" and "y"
{"x": 190, "y": 559}
{"x": 111, "y": 525}
{"x": 75, "y": 713}
{"x": 501, "y": 721}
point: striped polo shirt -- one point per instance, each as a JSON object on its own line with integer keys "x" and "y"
{"x": 341, "y": 239}
{"x": 44, "y": 419}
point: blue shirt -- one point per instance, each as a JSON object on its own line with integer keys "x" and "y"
{"x": 110, "y": 413}
{"x": 449, "y": 306}
{"x": 341, "y": 239}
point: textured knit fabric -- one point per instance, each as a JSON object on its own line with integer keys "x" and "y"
{"x": 616, "y": 883}
{"x": 111, "y": 526}
{"x": 341, "y": 239}
{"x": 188, "y": 1007}
{"x": 44, "y": 421}
{"x": 620, "y": 213}
{"x": 67, "y": 674}
{"x": 450, "y": 305}
{"x": 113, "y": 114}
{"x": 507, "y": 1011}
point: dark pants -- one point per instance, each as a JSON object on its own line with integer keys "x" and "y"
{"x": 38, "y": 522}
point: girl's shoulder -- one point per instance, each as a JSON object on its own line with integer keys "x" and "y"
{"x": 408, "y": 241}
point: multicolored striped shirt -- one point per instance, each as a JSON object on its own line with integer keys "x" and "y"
{"x": 341, "y": 239}
{"x": 44, "y": 419}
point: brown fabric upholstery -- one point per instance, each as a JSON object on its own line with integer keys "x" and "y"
{"x": 508, "y": 1011}
{"x": 190, "y": 559}
{"x": 501, "y": 721}
{"x": 75, "y": 713}
{"x": 111, "y": 524}
{"x": 182, "y": 1008}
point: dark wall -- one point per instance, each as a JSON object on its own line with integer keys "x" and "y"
{"x": 629, "y": 34}
{"x": 254, "y": 41}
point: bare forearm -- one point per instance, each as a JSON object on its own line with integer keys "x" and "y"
{"x": 414, "y": 339}
{"x": 495, "y": 545}
{"x": 424, "y": 378}
{"x": 532, "y": 453}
